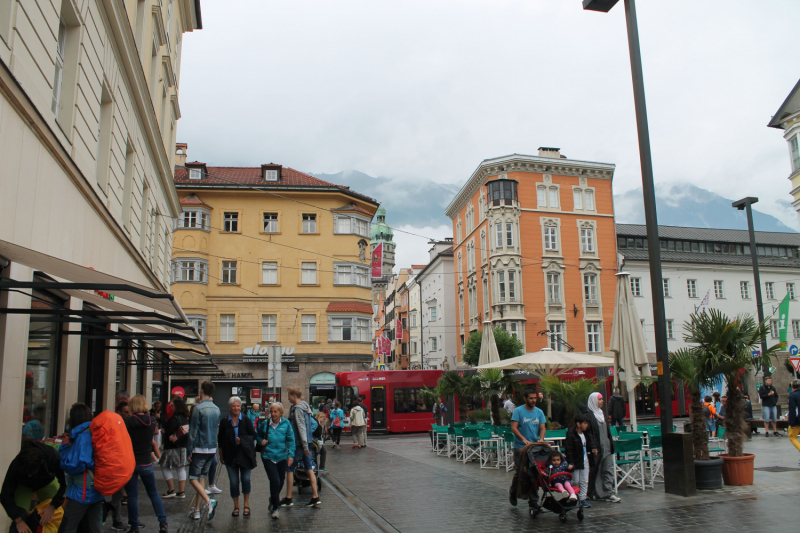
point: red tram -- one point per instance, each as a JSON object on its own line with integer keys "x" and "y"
{"x": 391, "y": 398}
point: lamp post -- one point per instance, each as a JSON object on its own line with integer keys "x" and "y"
{"x": 651, "y": 220}
{"x": 746, "y": 205}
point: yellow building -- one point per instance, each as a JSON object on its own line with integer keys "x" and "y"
{"x": 269, "y": 256}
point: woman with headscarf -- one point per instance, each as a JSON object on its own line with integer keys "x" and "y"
{"x": 601, "y": 473}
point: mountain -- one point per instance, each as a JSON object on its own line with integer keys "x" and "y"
{"x": 683, "y": 204}
{"x": 421, "y": 203}
{"x": 414, "y": 203}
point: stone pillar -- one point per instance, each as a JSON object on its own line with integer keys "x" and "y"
{"x": 70, "y": 366}
{"x": 13, "y": 356}
{"x": 148, "y": 386}
{"x": 110, "y": 372}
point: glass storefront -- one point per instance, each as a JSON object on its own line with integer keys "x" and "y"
{"x": 42, "y": 371}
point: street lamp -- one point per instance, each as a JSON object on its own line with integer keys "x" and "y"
{"x": 745, "y": 205}
{"x": 678, "y": 461}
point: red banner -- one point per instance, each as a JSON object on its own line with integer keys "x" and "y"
{"x": 377, "y": 262}
{"x": 399, "y": 330}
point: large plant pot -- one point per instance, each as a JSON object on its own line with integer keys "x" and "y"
{"x": 738, "y": 470}
{"x": 708, "y": 473}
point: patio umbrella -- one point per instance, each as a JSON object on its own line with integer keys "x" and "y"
{"x": 628, "y": 341}
{"x": 489, "y": 353}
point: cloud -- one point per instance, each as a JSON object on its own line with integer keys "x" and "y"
{"x": 413, "y": 249}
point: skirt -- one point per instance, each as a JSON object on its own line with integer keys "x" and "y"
{"x": 174, "y": 458}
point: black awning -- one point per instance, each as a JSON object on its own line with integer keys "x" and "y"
{"x": 155, "y": 359}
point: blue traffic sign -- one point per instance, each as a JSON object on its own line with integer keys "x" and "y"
{"x": 793, "y": 349}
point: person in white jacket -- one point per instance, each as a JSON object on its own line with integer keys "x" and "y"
{"x": 358, "y": 424}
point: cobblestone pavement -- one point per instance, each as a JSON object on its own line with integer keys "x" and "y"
{"x": 398, "y": 484}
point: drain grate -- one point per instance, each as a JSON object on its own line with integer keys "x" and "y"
{"x": 777, "y": 469}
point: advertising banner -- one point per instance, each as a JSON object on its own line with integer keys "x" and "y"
{"x": 783, "y": 319}
{"x": 377, "y": 262}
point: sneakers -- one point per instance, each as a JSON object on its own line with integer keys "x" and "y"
{"x": 287, "y": 502}
{"x": 565, "y": 493}
{"x": 212, "y": 508}
{"x": 314, "y": 502}
{"x": 163, "y": 528}
{"x": 194, "y": 515}
{"x": 585, "y": 504}
{"x": 613, "y": 499}
{"x": 168, "y": 494}
{"x": 777, "y": 434}
{"x": 212, "y": 489}
{"x": 512, "y": 497}
{"x": 276, "y": 514}
{"x": 270, "y": 507}
{"x": 133, "y": 530}
{"x": 573, "y": 497}
{"x": 766, "y": 434}
{"x": 118, "y": 526}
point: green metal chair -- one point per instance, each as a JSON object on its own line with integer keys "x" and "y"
{"x": 470, "y": 445}
{"x": 440, "y": 439}
{"x": 718, "y": 444}
{"x": 655, "y": 460}
{"x": 490, "y": 449}
{"x": 628, "y": 463}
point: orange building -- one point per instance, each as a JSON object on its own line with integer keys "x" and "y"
{"x": 535, "y": 250}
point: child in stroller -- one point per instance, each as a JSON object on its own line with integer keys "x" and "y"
{"x": 559, "y": 475}
{"x": 542, "y": 455}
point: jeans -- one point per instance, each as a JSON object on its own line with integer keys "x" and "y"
{"x": 116, "y": 505}
{"x": 212, "y": 470}
{"x": 770, "y": 414}
{"x": 359, "y": 435}
{"x": 711, "y": 425}
{"x": 236, "y": 472}
{"x": 200, "y": 466}
{"x": 580, "y": 479}
{"x": 148, "y": 476}
{"x": 617, "y": 422}
{"x": 75, "y": 512}
{"x": 276, "y": 473}
{"x": 336, "y": 435}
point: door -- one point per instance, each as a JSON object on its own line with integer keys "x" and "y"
{"x": 378, "y": 408}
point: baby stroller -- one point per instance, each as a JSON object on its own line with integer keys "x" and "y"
{"x": 301, "y": 479}
{"x": 537, "y": 456}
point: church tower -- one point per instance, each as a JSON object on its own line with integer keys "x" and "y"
{"x": 382, "y": 233}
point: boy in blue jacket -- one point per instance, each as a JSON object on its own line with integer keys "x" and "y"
{"x": 77, "y": 462}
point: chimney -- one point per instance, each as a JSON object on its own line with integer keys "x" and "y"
{"x": 180, "y": 154}
{"x": 545, "y": 151}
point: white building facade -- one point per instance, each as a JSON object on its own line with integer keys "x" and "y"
{"x": 700, "y": 262}
{"x": 438, "y": 332}
{"x": 787, "y": 118}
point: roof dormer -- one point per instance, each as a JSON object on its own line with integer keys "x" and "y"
{"x": 271, "y": 173}
{"x": 196, "y": 171}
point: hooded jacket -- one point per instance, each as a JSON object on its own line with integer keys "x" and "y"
{"x": 297, "y": 418}
{"x": 142, "y": 428}
{"x": 17, "y": 477}
{"x": 253, "y": 415}
{"x": 77, "y": 462}
{"x": 280, "y": 440}
{"x": 616, "y": 406}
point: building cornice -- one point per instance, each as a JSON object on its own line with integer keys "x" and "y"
{"x": 526, "y": 163}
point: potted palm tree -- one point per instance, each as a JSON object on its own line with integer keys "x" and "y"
{"x": 458, "y": 385}
{"x": 490, "y": 384}
{"x": 725, "y": 346}
{"x": 569, "y": 394}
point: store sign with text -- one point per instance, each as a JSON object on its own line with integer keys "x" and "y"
{"x": 266, "y": 354}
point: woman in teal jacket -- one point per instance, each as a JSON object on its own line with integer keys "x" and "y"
{"x": 337, "y": 422}
{"x": 77, "y": 462}
{"x": 276, "y": 437}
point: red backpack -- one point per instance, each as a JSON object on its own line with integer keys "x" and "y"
{"x": 113, "y": 453}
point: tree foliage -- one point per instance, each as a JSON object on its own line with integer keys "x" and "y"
{"x": 569, "y": 394}
{"x": 508, "y": 346}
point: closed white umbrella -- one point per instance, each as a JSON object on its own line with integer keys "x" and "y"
{"x": 628, "y": 342}
{"x": 489, "y": 353}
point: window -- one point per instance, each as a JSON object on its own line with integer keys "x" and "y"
{"x": 412, "y": 319}
{"x": 501, "y": 285}
{"x": 269, "y": 328}
{"x": 667, "y": 293}
{"x": 410, "y": 401}
{"x": 229, "y": 272}
{"x": 691, "y": 287}
{"x": 59, "y": 76}
{"x": 350, "y": 329}
{"x": 460, "y": 267}
{"x": 351, "y": 275}
{"x": 577, "y": 197}
{"x": 361, "y": 227}
{"x": 309, "y": 223}
{"x": 541, "y": 197}
{"x": 512, "y": 293}
{"x": 554, "y": 288}
{"x": 587, "y": 240}
{"x": 636, "y": 286}
{"x": 193, "y": 220}
{"x": 230, "y": 222}
{"x": 309, "y": 328}
{"x": 509, "y": 234}
{"x": 270, "y": 175}
{"x": 770, "y": 288}
{"x": 194, "y": 174}
{"x": 796, "y": 329}
{"x": 343, "y": 225}
{"x": 434, "y": 346}
{"x": 589, "y": 200}
{"x": 670, "y": 329}
{"x": 719, "y": 289}
{"x": 461, "y": 306}
{"x": 502, "y": 192}
{"x": 553, "y": 198}
{"x": 227, "y": 328}
{"x": 590, "y": 288}
{"x": 556, "y": 336}
{"x": 483, "y": 247}
{"x": 309, "y": 273}
{"x": 499, "y": 234}
{"x": 458, "y": 231}
{"x": 790, "y": 290}
{"x": 269, "y": 273}
{"x": 343, "y": 274}
{"x": 593, "y": 337}
{"x": 191, "y": 270}
{"x": 550, "y": 238}
{"x": 744, "y": 287}
{"x": 512, "y": 328}
{"x": 486, "y": 296}
{"x": 199, "y": 323}
{"x": 773, "y": 329}
{"x": 793, "y": 143}
{"x": 432, "y": 311}
{"x": 270, "y": 222}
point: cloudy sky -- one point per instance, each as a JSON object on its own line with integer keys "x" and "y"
{"x": 425, "y": 90}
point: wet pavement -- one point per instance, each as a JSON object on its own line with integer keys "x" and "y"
{"x": 398, "y": 484}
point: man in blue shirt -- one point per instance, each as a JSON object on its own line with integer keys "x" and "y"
{"x": 529, "y": 425}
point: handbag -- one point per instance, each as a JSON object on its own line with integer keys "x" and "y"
{"x": 181, "y": 430}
